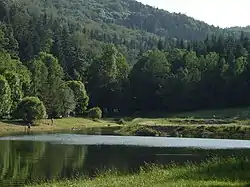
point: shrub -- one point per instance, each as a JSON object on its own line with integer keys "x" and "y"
{"x": 95, "y": 113}
{"x": 30, "y": 109}
{"x": 121, "y": 121}
{"x": 145, "y": 131}
{"x": 138, "y": 130}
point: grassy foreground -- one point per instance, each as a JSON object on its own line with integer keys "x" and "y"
{"x": 67, "y": 124}
{"x": 218, "y": 172}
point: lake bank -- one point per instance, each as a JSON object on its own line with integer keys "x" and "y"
{"x": 45, "y": 126}
{"x": 137, "y": 127}
{"x": 217, "y": 172}
{"x": 196, "y": 131}
{"x": 225, "y": 123}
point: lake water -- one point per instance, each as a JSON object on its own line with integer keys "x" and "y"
{"x": 34, "y": 158}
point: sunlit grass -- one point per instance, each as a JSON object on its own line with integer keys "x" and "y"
{"x": 230, "y": 116}
{"x": 218, "y": 172}
{"x": 230, "y": 113}
{"x": 66, "y": 124}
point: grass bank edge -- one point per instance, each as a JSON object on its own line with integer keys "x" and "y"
{"x": 215, "y": 172}
{"x": 67, "y": 124}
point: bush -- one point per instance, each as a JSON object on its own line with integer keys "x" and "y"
{"x": 138, "y": 130}
{"x": 95, "y": 113}
{"x": 30, "y": 109}
{"x": 121, "y": 121}
{"x": 145, "y": 131}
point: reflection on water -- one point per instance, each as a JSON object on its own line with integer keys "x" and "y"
{"x": 33, "y": 160}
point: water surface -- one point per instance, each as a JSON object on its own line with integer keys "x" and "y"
{"x": 34, "y": 158}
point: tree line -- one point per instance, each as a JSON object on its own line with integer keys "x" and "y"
{"x": 198, "y": 75}
{"x": 71, "y": 69}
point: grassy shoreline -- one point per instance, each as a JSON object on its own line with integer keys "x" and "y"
{"x": 231, "y": 123}
{"x": 224, "y": 123}
{"x": 136, "y": 127}
{"x": 189, "y": 131}
{"x": 65, "y": 124}
{"x": 217, "y": 172}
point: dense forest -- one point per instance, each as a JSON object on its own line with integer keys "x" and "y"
{"x": 119, "y": 55}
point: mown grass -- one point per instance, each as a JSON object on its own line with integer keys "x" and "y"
{"x": 66, "y": 124}
{"x": 228, "y": 117}
{"x": 217, "y": 172}
{"x": 229, "y": 113}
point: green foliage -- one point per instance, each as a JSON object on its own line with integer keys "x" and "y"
{"x": 95, "y": 113}
{"x": 7, "y": 63}
{"x": 1, "y": 39}
{"x": 51, "y": 85}
{"x": 39, "y": 76}
{"x": 81, "y": 96}
{"x": 138, "y": 130}
{"x": 131, "y": 58}
{"x": 104, "y": 69}
{"x": 145, "y": 131}
{"x": 30, "y": 109}
{"x": 16, "y": 88}
{"x": 66, "y": 101}
{"x": 147, "y": 78}
{"x": 217, "y": 171}
{"x": 5, "y": 97}
{"x": 121, "y": 121}
{"x": 106, "y": 78}
{"x": 113, "y": 17}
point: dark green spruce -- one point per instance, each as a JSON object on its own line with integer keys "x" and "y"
{"x": 121, "y": 56}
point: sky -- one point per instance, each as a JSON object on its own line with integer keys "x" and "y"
{"x": 223, "y": 13}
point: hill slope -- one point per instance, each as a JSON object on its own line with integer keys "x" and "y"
{"x": 117, "y": 14}
{"x": 53, "y": 42}
{"x": 238, "y": 29}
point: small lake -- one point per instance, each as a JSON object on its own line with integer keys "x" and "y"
{"x": 34, "y": 158}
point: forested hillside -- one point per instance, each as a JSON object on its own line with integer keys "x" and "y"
{"x": 114, "y": 15}
{"x": 119, "y": 55}
{"x": 239, "y": 29}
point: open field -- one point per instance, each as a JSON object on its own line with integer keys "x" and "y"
{"x": 231, "y": 116}
{"x": 66, "y": 124}
{"x": 218, "y": 172}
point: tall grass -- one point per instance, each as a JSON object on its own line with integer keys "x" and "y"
{"x": 232, "y": 171}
